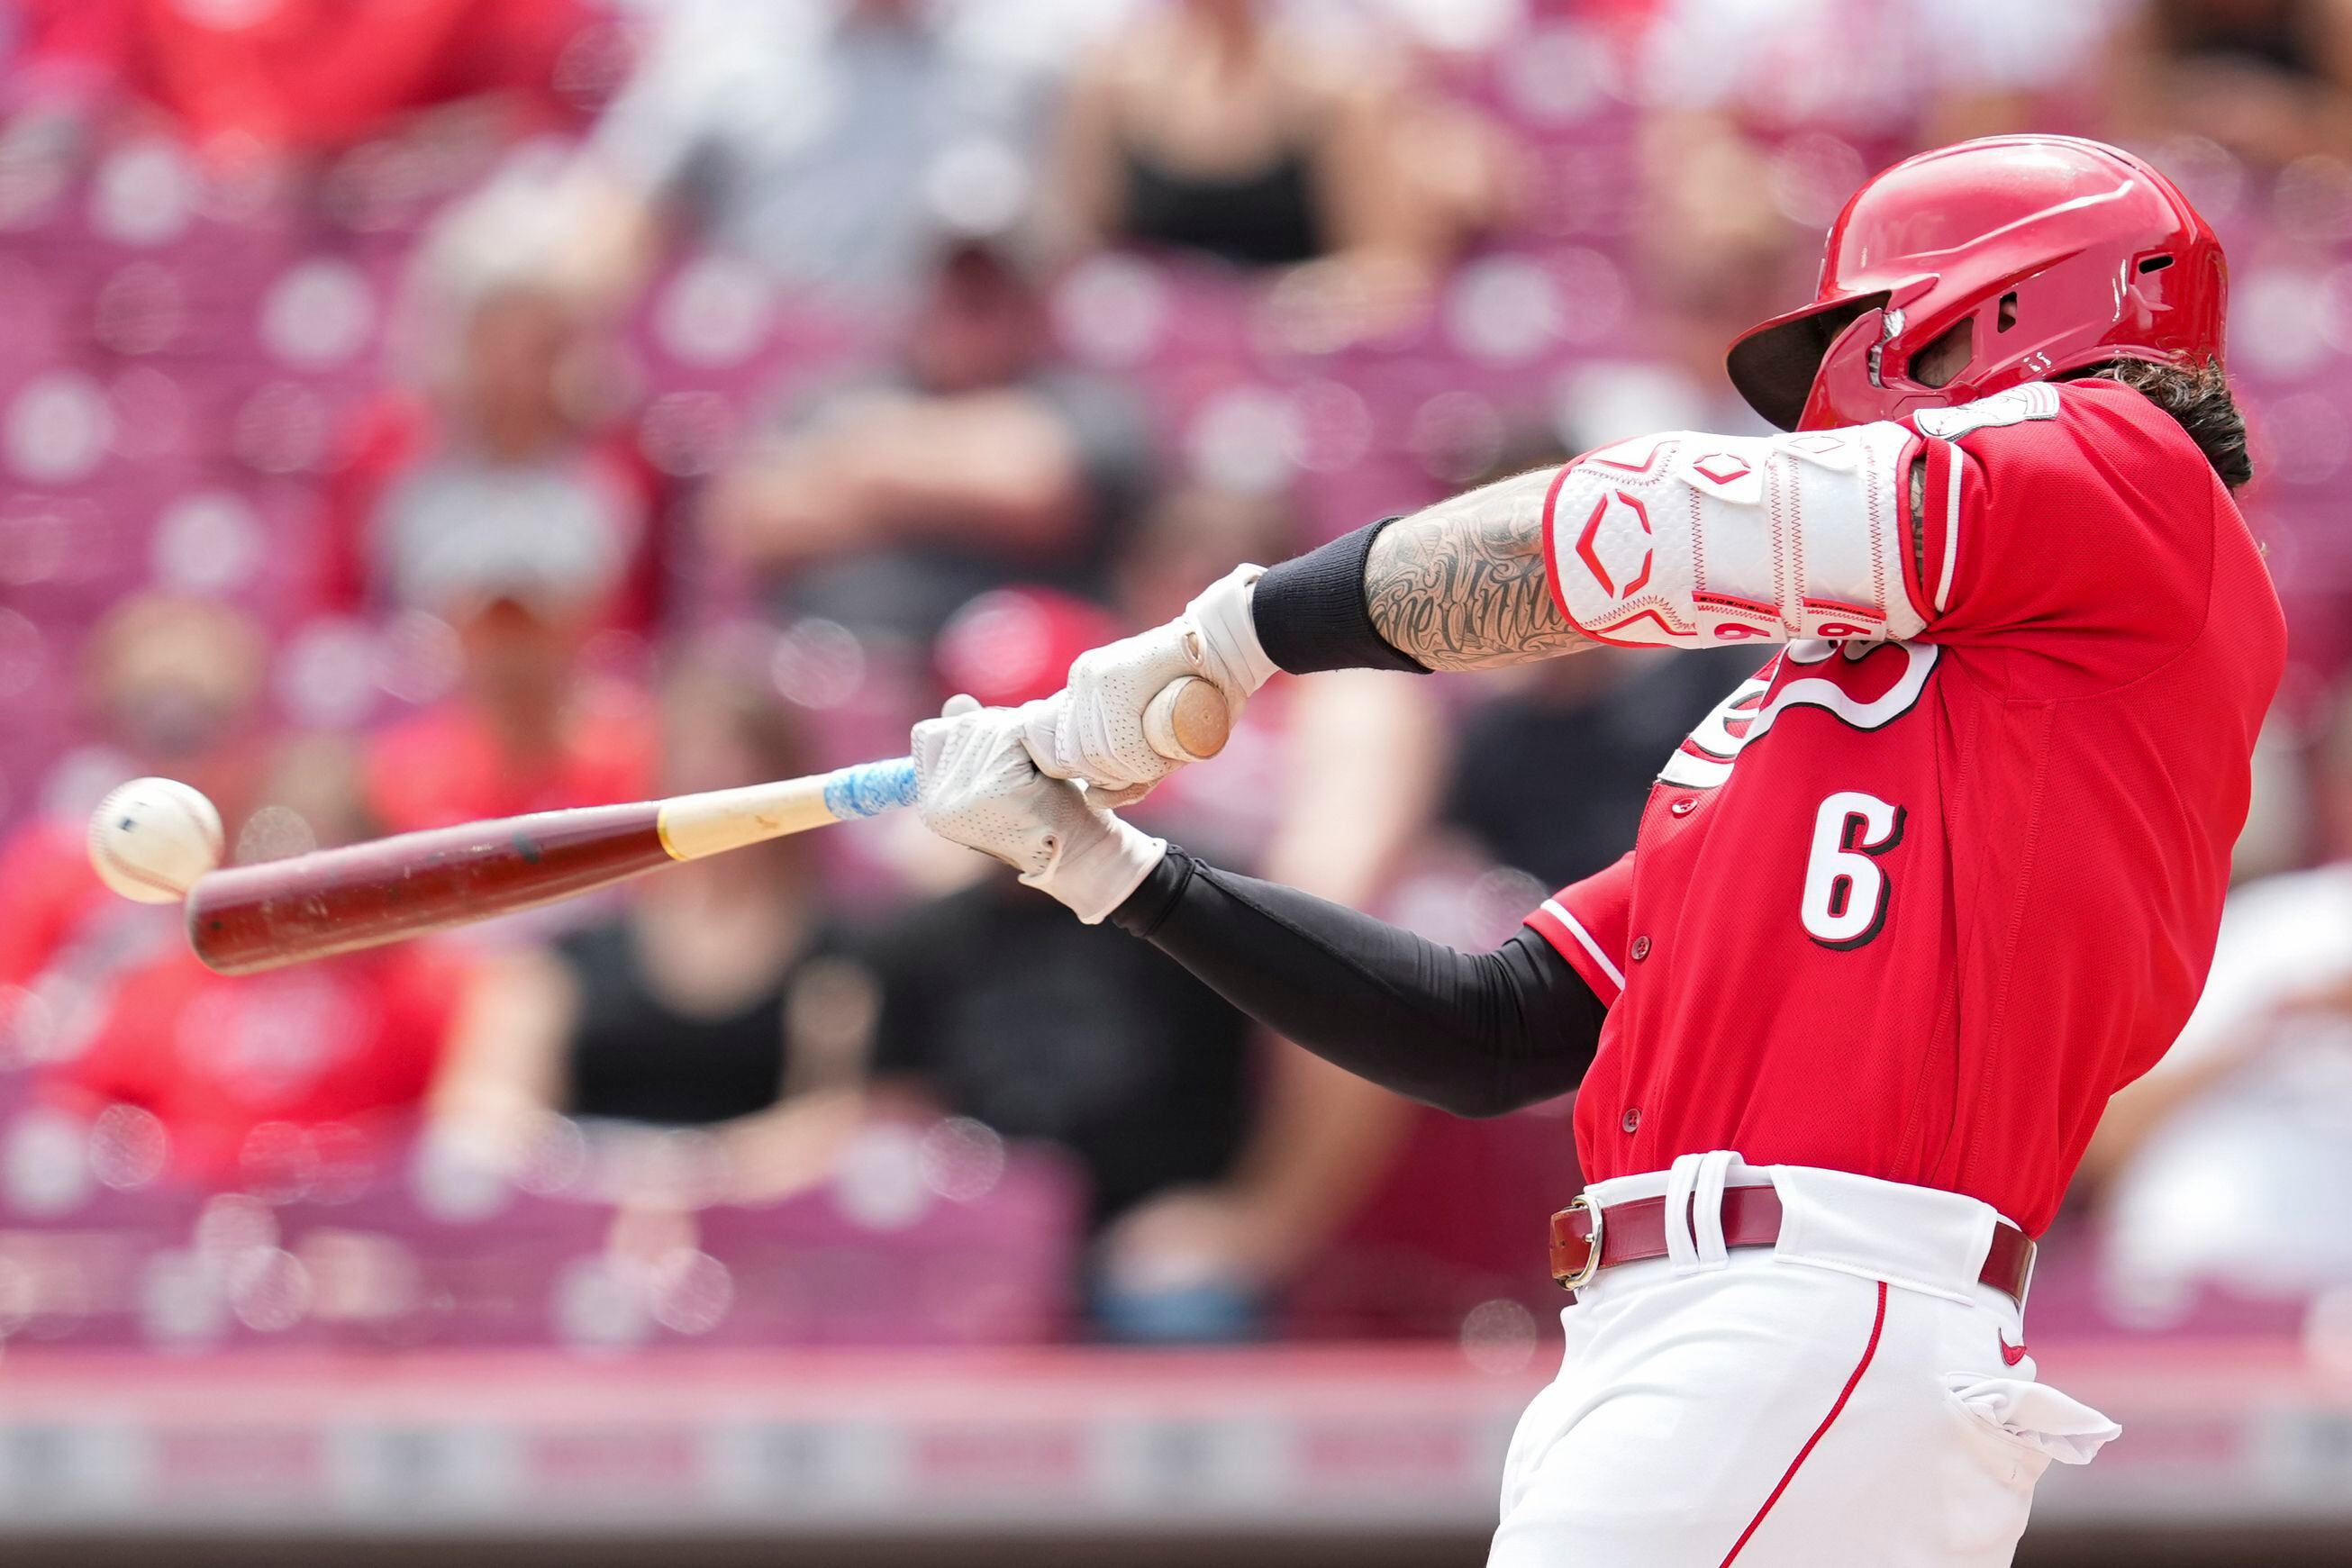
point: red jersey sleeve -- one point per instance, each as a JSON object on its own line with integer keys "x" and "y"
{"x": 2076, "y": 523}
{"x": 1586, "y": 922}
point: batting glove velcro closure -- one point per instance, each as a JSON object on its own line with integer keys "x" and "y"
{"x": 1231, "y": 654}
{"x": 1095, "y": 871}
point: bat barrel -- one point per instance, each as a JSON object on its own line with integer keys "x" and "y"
{"x": 339, "y": 901}
{"x": 336, "y": 900}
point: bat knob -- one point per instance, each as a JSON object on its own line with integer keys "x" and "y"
{"x": 1188, "y": 720}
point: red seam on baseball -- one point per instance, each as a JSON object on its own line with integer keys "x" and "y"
{"x": 130, "y": 872}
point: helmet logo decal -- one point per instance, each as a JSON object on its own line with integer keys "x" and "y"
{"x": 1628, "y": 531}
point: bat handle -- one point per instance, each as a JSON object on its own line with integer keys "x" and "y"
{"x": 1187, "y": 720}
{"x": 869, "y": 789}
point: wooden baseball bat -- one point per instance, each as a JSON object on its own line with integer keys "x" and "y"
{"x": 256, "y": 918}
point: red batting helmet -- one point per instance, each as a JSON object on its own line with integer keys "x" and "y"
{"x": 2039, "y": 254}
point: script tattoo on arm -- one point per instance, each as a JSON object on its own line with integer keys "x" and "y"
{"x": 1460, "y": 585}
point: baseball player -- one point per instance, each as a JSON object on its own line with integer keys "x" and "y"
{"x": 1901, "y": 914}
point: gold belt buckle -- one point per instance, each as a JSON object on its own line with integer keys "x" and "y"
{"x": 1583, "y": 1276}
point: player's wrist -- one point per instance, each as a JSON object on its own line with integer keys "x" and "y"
{"x": 1143, "y": 911}
{"x": 1230, "y": 654}
{"x": 1310, "y": 613}
{"x": 1098, "y": 863}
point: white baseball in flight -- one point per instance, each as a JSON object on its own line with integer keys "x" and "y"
{"x": 151, "y": 838}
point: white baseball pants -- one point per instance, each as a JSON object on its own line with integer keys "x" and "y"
{"x": 1846, "y": 1396}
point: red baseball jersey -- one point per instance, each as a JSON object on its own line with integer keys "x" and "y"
{"x": 1946, "y": 874}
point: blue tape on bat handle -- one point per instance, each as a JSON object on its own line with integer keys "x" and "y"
{"x": 869, "y": 789}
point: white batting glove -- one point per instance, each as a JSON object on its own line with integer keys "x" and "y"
{"x": 1093, "y": 728}
{"x": 976, "y": 786}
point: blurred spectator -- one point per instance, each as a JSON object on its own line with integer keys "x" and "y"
{"x": 2269, "y": 79}
{"x": 976, "y": 462}
{"x": 996, "y": 1005}
{"x": 505, "y": 464}
{"x": 2228, "y": 1162}
{"x": 489, "y": 507}
{"x": 1906, "y": 73}
{"x": 2284, "y": 831}
{"x": 2225, "y": 1166}
{"x": 825, "y": 140}
{"x": 1717, "y": 254}
{"x": 1764, "y": 116}
{"x": 309, "y": 75}
{"x": 255, "y": 1082}
{"x": 529, "y": 731}
{"x": 172, "y": 686}
{"x": 703, "y": 1003}
{"x": 1608, "y": 719}
{"x": 1211, "y": 127}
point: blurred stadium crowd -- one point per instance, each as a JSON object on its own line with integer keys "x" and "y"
{"x": 414, "y": 411}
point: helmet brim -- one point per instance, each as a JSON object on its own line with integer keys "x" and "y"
{"x": 1773, "y": 365}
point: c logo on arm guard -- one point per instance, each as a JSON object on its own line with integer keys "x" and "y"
{"x": 1623, "y": 538}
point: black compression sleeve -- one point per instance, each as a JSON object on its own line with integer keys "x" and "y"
{"x": 1311, "y": 615}
{"x": 1473, "y": 1033}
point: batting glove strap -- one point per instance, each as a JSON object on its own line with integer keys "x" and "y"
{"x": 1230, "y": 653}
{"x": 1093, "y": 728}
{"x": 1097, "y": 865}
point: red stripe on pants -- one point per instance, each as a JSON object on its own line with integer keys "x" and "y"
{"x": 1877, "y": 1325}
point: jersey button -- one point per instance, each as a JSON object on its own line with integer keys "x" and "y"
{"x": 1641, "y": 950}
{"x": 1683, "y": 806}
{"x": 1631, "y": 1120}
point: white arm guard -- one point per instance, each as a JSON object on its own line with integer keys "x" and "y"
{"x": 1687, "y": 540}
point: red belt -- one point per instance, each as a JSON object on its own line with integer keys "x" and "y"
{"x": 1635, "y": 1229}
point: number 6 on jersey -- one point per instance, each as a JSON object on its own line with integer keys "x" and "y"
{"x": 1846, "y": 890}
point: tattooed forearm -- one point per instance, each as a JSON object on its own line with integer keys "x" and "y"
{"x": 1460, "y": 585}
